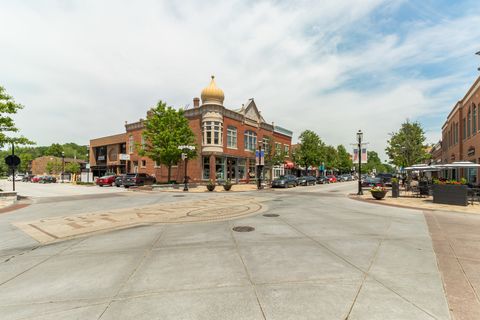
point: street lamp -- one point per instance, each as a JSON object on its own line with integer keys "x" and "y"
{"x": 63, "y": 164}
{"x": 185, "y": 161}
{"x": 259, "y": 159}
{"x": 359, "y": 140}
{"x": 88, "y": 167}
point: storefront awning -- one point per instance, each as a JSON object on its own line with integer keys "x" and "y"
{"x": 289, "y": 165}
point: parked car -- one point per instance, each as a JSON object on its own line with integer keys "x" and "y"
{"x": 18, "y": 177}
{"x": 106, "y": 181}
{"x": 119, "y": 180}
{"x": 28, "y": 178}
{"x": 332, "y": 179}
{"x": 386, "y": 178}
{"x": 137, "y": 179}
{"x": 285, "y": 182}
{"x": 371, "y": 182}
{"x": 306, "y": 180}
{"x": 47, "y": 179}
{"x": 323, "y": 180}
{"x": 35, "y": 179}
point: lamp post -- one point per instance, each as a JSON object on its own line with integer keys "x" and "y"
{"x": 259, "y": 157}
{"x": 63, "y": 164}
{"x": 359, "y": 140}
{"x": 88, "y": 167}
{"x": 185, "y": 162}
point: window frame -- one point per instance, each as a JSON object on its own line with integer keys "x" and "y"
{"x": 250, "y": 140}
{"x": 232, "y": 137}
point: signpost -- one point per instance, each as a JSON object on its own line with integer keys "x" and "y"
{"x": 12, "y": 161}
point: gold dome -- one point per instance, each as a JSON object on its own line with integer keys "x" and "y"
{"x": 212, "y": 94}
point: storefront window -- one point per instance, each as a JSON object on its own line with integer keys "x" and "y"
{"x": 250, "y": 140}
{"x": 220, "y": 168}
{"x": 232, "y": 137}
{"x": 251, "y": 169}
{"x": 241, "y": 169}
{"x": 206, "y": 168}
{"x": 278, "y": 171}
{"x": 212, "y": 132}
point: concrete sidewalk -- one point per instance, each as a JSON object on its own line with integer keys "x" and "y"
{"x": 323, "y": 257}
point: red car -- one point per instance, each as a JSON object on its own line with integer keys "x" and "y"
{"x": 332, "y": 179}
{"x": 106, "y": 181}
{"x": 36, "y": 179}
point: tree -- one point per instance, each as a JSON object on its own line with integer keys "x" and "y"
{"x": 165, "y": 130}
{"x": 25, "y": 161}
{"x": 373, "y": 162}
{"x": 331, "y": 157}
{"x": 310, "y": 149}
{"x": 345, "y": 163}
{"x": 406, "y": 147}
{"x": 54, "y": 150}
{"x": 72, "y": 167}
{"x": 9, "y": 107}
{"x": 54, "y": 166}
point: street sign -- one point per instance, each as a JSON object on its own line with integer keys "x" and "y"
{"x": 12, "y": 160}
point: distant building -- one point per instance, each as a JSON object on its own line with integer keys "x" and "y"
{"x": 39, "y": 165}
{"x": 227, "y": 140}
{"x": 461, "y": 134}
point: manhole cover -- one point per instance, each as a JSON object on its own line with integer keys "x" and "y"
{"x": 179, "y": 195}
{"x": 243, "y": 229}
{"x": 271, "y": 215}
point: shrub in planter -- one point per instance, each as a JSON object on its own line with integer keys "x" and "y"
{"x": 210, "y": 185}
{"x": 228, "y": 185}
{"x": 378, "y": 192}
{"x": 395, "y": 188}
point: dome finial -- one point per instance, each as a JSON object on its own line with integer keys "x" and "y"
{"x": 212, "y": 94}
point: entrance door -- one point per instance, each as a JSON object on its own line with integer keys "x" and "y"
{"x": 231, "y": 165}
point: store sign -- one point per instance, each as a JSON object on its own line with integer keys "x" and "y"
{"x": 124, "y": 156}
{"x": 100, "y": 158}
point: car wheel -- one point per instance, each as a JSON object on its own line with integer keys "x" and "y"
{"x": 100, "y": 185}
{"x": 113, "y": 184}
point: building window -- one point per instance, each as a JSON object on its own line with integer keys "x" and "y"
{"x": 232, "y": 137}
{"x": 474, "y": 120}
{"x": 219, "y": 168}
{"x": 456, "y": 132}
{"x": 278, "y": 148}
{"x": 266, "y": 144}
{"x": 287, "y": 149}
{"x": 144, "y": 163}
{"x": 213, "y": 132}
{"x": 143, "y": 142}
{"x": 206, "y": 168}
{"x": 241, "y": 168}
{"x": 464, "y": 131}
{"x": 130, "y": 144}
{"x": 250, "y": 140}
{"x": 157, "y": 164}
{"x": 469, "y": 121}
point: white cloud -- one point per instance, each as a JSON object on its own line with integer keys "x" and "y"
{"x": 82, "y": 68}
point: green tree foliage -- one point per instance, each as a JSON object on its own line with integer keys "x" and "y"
{"x": 310, "y": 151}
{"x": 72, "y": 167}
{"x": 345, "y": 163}
{"x": 54, "y": 150}
{"x": 331, "y": 157}
{"x": 9, "y": 107}
{"x": 407, "y": 146}
{"x": 273, "y": 157}
{"x": 54, "y": 167}
{"x": 165, "y": 130}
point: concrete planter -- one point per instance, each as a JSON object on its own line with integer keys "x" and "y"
{"x": 395, "y": 190}
{"x": 378, "y": 195}
{"x": 210, "y": 187}
{"x": 450, "y": 194}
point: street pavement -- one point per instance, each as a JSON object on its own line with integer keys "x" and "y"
{"x": 324, "y": 256}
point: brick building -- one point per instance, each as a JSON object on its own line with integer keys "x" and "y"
{"x": 461, "y": 134}
{"x": 227, "y": 140}
{"x": 39, "y": 165}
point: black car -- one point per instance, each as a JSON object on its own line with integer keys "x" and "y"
{"x": 285, "y": 182}
{"x": 119, "y": 180}
{"x": 306, "y": 180}
{"x": 386, "y": 178}
{"x": 372, "y": 182}
{"x": 137, "y": 179}
{"x": 47, "y": 179}
{"x": 323, "y": 180}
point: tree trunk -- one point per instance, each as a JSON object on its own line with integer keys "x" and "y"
{"x": 169, "y": 173}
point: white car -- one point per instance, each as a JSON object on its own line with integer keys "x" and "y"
{"x": 18, "y": 177}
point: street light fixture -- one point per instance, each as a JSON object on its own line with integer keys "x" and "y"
{"x": 63, "y": 164}
{"x": 260, "y": 161}
{"x": 359, "y": 140}
{"x": 185, "y": 161}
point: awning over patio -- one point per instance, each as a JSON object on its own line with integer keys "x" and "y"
{"x": 458, "y": 165}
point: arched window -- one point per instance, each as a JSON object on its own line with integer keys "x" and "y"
{"x": 474, "y": 120}
{"x": 469, "y": 123}
{"x": 250, "y": 140}
{"x": 213, "y": 132}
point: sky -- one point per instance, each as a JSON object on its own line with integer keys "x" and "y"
{"x": 82, "y": 68}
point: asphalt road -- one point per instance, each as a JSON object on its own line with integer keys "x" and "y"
{"x": 323, "y": 257}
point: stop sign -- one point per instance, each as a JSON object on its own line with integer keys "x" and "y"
{"x": 12, "y": 160}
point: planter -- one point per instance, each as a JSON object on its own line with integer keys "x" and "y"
{"x": 210, "y": 187}
{"x": 227, "y": 187}
{"x": 395, "y": 190}
{"x": 379, "y": 195}
{"x": 450, "y": 194}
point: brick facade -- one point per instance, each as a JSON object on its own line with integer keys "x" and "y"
{"x": 39, "y": 165}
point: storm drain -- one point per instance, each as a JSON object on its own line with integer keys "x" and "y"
{"x": 277, "y": 200}
{"x": 243, "y": 229}
{"x": 179, "y": 195}
{"x": 271, "y": 215}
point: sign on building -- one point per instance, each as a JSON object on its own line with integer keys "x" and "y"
{"x": 123, "y": 156}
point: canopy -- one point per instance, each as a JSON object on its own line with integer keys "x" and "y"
{"x": 422, "y": 167}
{"x": 458, "y": 164}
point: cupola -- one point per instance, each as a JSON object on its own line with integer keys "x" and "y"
{"x": 212, "y": 94}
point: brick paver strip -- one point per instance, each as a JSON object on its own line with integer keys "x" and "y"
{"x": 220, "y": 208}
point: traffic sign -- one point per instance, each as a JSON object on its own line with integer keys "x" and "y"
{"x": 12, "y": 160}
